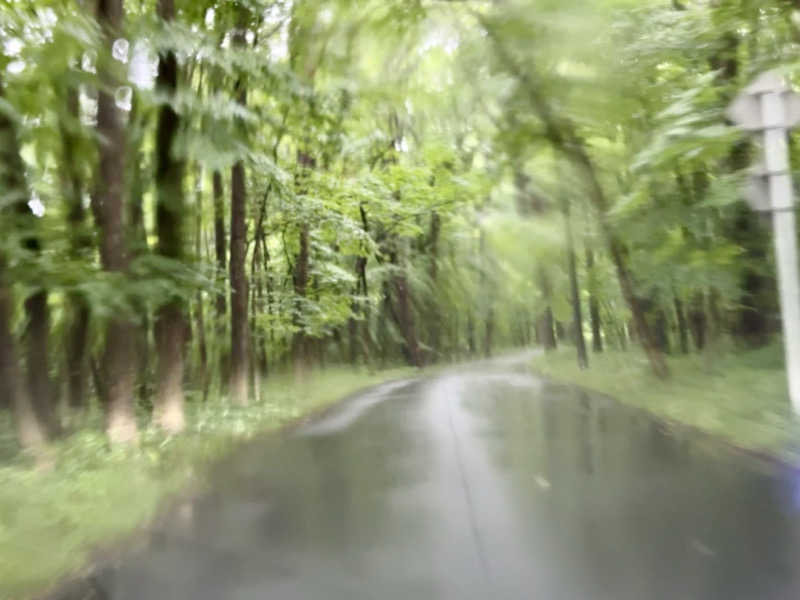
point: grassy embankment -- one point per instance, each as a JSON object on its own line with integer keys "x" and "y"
{"x": 738, "y": 396}
{"x": 51, "y": 520}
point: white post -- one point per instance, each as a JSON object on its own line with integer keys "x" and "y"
{"x": 776, "y": 154}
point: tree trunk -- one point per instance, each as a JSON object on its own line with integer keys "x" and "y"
{"x": 259, "y": 358}
{"x": 545, "y": 330}
{"x": 352, "y": 338}
{"x": 77, "y": 357}
{"x": 239, "y": 360}
{"x": 488, "y": 315}
{"x": 137, "y": 245}
{"x": 202, "y": 345}
{"x": 561, "y": 330}
{"x": 299, "y": 340}
{"x": 594, "y": 305}
{"x": 37, "y": 311}
{"x": 575, "y": 294}
{"x": 199, "y": 312}
{"x": 698, "y": 321}
{"x": 109, "y": 207}
{"x": 171, "y": 319}
{"x": 305, "y": 162}
{"x": 238, "y": 254}
{"x": 358, "y": 332}
{"x": 546, "y": 326}
{"x": 38, "y": 373}
{"x": 435, "y": 317}
{"x": 489, "y": 338}
{"x": 405, "y": 315}
{"x": 683, "y": 326}
{"x": 659, "y": 325}
{"x": 32, "y": 430}
{"x": 219, "y": 242}
{"x": 470, "y": 333}
{"x": 77, "y": 333}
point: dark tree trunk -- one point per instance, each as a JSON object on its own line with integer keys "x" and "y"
{"x": 561, "y": 331}
{"x": 405, "y": 315}
{"x": 434, "y": 326}
{"x": 38, "y": 374}
{"x": 253, "y": 335}
{"x": 470, "y": 333}
{"x": 299, "y": 340}
{"x": 657, "y": 322}
{"x": 575, "y": 294}
{"x": 486, "y": 289}
{"x": 715, "y": 313}
{"x": 32, "y": 430}
{"x": 171, "y": 319}
{"x": 37, "y": 311}
{"x": 358, "y": 332}
{"x": 546, "y": 326}
{"x": 199, "y": 313}
{"x": 239, "y": 286}
{"x": 202, "y": 345}
{"x": 137, "y": 246}
{"x": 77, "y": 356}
{"x": 545, "y": 330}
{"x": 77, "y": 333}
{"x": 109, "y": 207}
{"x": 259, "y": 359}
{"x": 594, "y": 305}
{"x": 683, "y": 326}
{"x": 238, "y": 274}
{"x": 352, "y": 337}
{"x": 367, "y": 341}
{"x": 489, "y": 334}
{"x": 219, "y": 241}
{"x": 170, "y": 336}
{"x": 643, "y": 333}
{"x": 757, "y": 300}
{"x": 698, "y": 322}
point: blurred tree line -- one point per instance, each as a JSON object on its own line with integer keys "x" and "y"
{"x": 196, "y": 193}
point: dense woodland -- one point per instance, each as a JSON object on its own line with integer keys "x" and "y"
{"x": 197, "y": 194}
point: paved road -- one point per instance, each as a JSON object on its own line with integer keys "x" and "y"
{"x": 484, "y": 483}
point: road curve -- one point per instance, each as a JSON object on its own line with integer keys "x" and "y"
{"x": 480, "y": 483}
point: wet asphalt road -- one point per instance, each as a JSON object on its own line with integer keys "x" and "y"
{"x": 480, "y": 483}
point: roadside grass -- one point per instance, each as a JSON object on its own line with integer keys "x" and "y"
{"x": 93, "y": 497}
{"x": 738, "y": 396}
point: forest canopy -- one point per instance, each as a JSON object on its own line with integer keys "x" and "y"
{"x": 197, "y": 194}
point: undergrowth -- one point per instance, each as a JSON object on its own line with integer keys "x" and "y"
{"x": 739, "y": 396}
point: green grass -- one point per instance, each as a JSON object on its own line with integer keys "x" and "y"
{"x": 738, "y": 396}
{"x": 92, "y": 497}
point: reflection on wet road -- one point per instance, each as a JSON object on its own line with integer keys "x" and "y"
{"x": 480, "y": 484}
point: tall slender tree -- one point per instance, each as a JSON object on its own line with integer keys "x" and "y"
{"x": 108, "y": 205}
{"x": 238, "y": 275}
{"x": 171, "y": 320}
{"x": 31, "y": 429}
